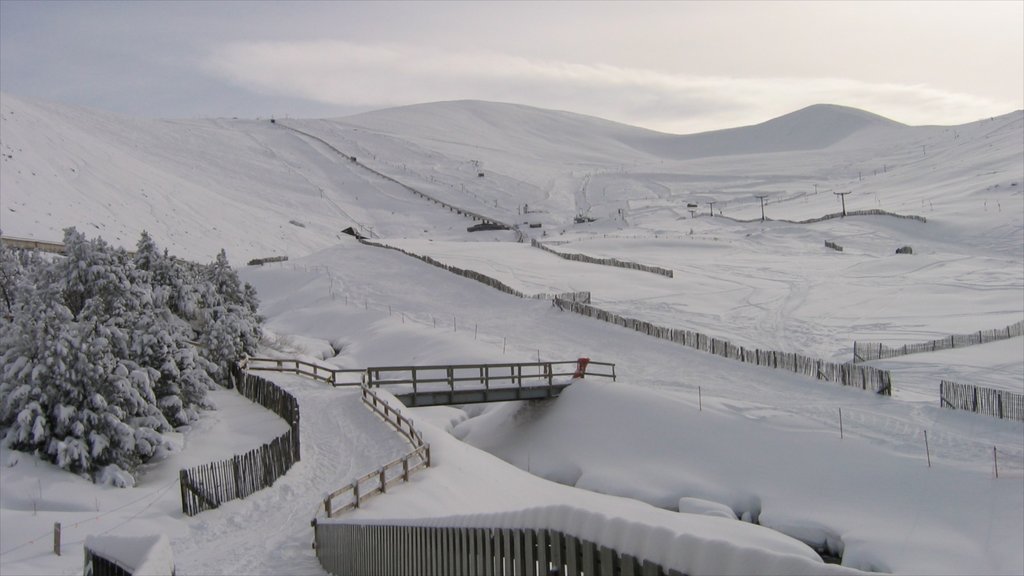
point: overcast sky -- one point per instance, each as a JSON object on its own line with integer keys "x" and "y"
{"x": 679, "y": 67}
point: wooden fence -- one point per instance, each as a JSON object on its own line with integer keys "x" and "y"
{"x": 332, "y": 376}
{"x": 207, "y": 486}
{"x": 268, "y": 260}
{"x": 998, "y": 403}
{"x": 833, "y": 245}
{"x": 605, "y": 261}
{"x": 450, "y": 207}
{"x": 485, "y": 374}
{"x": 393, "y": 550}
{"x": 31, "y": 244}
{"x": 864, "y": 377}
{"x": 865, "y": 351}
{"x": 359, "y": 490}
{"x": 871, "y": 212}
{"x": 485, "y": 279}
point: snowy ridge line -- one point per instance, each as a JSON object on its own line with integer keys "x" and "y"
{"x": 539, "y": 541}
{"x": 849, "y": 374}
{"x": 425, "y": 196}
{"x": 865, "y": 351}
{"x": 998, "y": 403}
{"x": 485, "y": 279}
{"x": 207, "y": 486}
{"x": 398, "y": 470}
{"x": 605, "y": 261}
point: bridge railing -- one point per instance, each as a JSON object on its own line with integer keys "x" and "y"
{"x": 511, "y": 374}
{"x": 333, "y": 376}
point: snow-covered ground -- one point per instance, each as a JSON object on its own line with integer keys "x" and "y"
{"x": 680, "y": 430}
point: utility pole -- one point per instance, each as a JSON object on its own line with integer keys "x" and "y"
{"x": 842, "y": 195}
{"x": 712, "y": 204}
{"x": 762, "y": 206}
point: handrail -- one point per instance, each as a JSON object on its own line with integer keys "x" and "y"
{"x": 330, "y": 375}
{"x": 484, "y": 373}
{"x": 378, "y": 481}
{"x": 420, "y": 453}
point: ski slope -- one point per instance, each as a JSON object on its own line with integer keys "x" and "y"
{"x": 681, "y": 430}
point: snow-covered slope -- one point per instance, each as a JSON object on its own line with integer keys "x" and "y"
{"x": 689, "y": 425}
{"x": 197, "y": 186}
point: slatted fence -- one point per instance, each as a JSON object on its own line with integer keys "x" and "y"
{"x": 605, "y": 261}
{"x": 871, "y": 212}
{"x": 864, "y": 377}
{"x": 483, "y": 278}
{"x": 998, "y": 403}
{"x": 865, "y": 351}
{"x": 425, "y": 196}
{"x": 207, "y": 486}
{"x": 394, "y": 550}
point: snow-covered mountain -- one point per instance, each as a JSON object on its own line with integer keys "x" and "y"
{"x": 679, "y": 424}
{"x": 259, "y": 189}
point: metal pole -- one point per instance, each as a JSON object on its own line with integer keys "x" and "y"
{"x": 762, "y": 206}
{"x": 843, "y": 196}
{"x": 926, "y": 450}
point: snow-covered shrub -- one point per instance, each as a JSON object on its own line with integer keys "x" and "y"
{"x": 229, "y": 325}
{"x": 101, "y": 352}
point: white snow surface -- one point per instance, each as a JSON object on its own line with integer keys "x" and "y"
{"x": 645, "y": 463}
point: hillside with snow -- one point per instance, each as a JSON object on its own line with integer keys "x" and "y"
{"x": 681, "y": 432}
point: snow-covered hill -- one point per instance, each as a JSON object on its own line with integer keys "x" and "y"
{"x": 687, "y": 425}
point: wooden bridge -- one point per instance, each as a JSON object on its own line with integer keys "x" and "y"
{"x": 452, "y": 384}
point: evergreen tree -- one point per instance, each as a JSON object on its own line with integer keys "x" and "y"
{"x": 102, "y": 352}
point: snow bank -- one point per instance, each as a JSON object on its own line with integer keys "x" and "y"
{"x": 691, "y": 544}
{"x": 139, "y": 555}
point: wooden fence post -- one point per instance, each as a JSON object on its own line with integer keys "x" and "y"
{"x": 56, "y": 538}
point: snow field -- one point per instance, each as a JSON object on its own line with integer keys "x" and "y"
{"x": 756, "y": 443}
{"x": 681, "y": 429}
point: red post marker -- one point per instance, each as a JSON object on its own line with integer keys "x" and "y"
{"x": 581, "y": 368}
